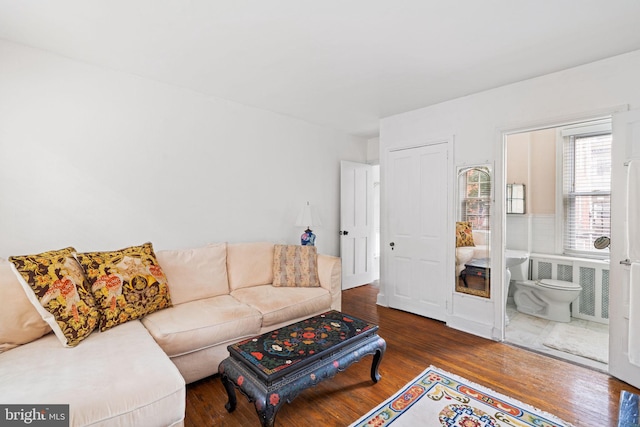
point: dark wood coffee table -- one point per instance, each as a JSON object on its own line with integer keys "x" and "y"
{"x": 275, "y": 367}
{"x": 479, "y": 268}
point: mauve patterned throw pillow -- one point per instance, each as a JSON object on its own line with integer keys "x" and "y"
{"x": 295, "y": 266}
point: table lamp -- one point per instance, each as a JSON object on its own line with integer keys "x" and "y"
{"x": 308, "y": 217}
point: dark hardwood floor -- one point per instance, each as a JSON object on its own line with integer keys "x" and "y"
{"x": 576, "y": 394}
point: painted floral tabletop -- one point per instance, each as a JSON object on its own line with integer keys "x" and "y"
{"x": 276, "y": 353}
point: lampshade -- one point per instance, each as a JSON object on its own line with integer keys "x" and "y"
{"x": 308, "y": 217}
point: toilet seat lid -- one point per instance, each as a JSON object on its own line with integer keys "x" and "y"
{"x": 558, "y": 284}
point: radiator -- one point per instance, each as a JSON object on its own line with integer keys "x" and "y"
{"x": 592, "y": 275}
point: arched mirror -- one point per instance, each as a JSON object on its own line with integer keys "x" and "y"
{"x": 473, "y": 230}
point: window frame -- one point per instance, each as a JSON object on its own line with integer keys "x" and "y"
{"x": 587, "y": 129}
{"x": 483, "y": 201}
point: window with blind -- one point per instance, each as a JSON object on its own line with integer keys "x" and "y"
{"x": 475, "y": 188}
{"x": 587, "y": 187}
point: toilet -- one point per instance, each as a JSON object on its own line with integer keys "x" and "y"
{"x": 546, "y": 298}
{"x": 517, "y": 263}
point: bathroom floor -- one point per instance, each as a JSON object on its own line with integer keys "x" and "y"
{"x": 530, "y": 332}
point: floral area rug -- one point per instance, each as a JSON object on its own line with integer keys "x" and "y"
{"x": 437, "y": 398}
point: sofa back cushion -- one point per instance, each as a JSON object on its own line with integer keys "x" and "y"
{"x": 197, "y": 273}
{"x": 481, "y": 237}
{"x": 249, "y": 264}
{"x": 20, "y": 322}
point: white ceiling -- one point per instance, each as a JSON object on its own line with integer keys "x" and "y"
{"x": 338, "y": 63}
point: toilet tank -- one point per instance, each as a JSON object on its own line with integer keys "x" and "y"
{"x": 520, "y": 271}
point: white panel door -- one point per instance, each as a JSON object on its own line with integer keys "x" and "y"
{"x": 418, "y": 201}
{"x": 356, "y": 224}
{"x": 626, "y": 146}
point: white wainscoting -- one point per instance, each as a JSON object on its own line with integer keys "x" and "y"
{"x": 518, "y": 234}
{"x": 592, "y": 275}
{"x": 543, "y": 234}
{"x": 531, "y": 233}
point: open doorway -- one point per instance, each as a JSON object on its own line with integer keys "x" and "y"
{"x": 558, "y": 299}
{"x": 376, "y": 223}
{"x": 359, "y": 223}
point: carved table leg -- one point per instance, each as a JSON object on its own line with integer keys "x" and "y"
{"x": 266, "y": 414}
{"x": 375, "y": 375}
{"x": 231, "y": 392}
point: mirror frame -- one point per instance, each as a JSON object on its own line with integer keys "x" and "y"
{"x": 482, "y": 264}
{"x": 516, "y": 208}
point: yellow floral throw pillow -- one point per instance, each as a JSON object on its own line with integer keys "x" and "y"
{"x": 127, "y": 284}
{"x": 56, "y": 286}
{"x": 295, "y": 266}
{"x": 464, "y": 235}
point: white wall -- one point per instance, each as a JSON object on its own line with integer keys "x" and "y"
{"x": 100, "y": 160}
{"x": 477, "y": 123}
{"x": 373, "y": 151}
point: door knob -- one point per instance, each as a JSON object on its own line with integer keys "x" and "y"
{"x": 392, "y": 244}
{"x": 344, "y": 233}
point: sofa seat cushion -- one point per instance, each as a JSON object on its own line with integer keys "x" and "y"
{"x": 120, "y": 377}
{"x": 481, "y": 251}
{"x": 196, "y": 325}
{"x": 464, "y": 254}
{"x": 278, "y": 305}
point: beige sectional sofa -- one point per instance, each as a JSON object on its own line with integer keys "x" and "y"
{"x": 135, "y": 373}
{"x": 480, "y": 249}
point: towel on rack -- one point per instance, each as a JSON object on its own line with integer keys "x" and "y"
{"x": 633, "y": 207}
{"x": 634, "y": 314}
